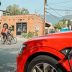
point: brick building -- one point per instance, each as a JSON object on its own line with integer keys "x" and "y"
{"x": 23, "y": 23}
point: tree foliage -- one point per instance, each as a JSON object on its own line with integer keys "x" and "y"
{"x": 16, "y": 10}
{"x": 62, "y": 23}
{"x": 59, "y": 25}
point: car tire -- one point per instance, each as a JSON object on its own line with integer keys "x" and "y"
{"x": 45, "y": 60}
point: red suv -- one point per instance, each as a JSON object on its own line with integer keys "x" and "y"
{"x": 51, "y": 53}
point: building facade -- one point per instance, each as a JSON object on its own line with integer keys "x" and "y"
{"x": 23, "y": 23}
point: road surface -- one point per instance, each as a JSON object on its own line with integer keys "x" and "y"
{"x": 8, "y": 54}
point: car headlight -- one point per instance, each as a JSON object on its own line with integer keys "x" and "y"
{"x": 66, "y": 51}
{"x": 22, "y": 48}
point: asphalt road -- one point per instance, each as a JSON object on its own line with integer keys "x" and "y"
{"x": 8, "y": 54}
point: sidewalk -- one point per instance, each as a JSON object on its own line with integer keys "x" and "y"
{"x": 20, "y": 40}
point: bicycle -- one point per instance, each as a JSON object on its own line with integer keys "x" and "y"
{"x": 9, "y": 40}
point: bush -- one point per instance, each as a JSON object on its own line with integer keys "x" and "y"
{"x": 24, "y": 35}
{"x": 28, "y": 35}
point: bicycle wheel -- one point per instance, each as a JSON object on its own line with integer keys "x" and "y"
{"x": 8, "y": 41}
{"x": 3, "y": 40}
{"x": 14, "y": 40}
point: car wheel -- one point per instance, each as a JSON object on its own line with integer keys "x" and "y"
{"x": 43, "y": 63}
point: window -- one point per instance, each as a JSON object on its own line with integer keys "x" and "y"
{"x": 21, "y": 28}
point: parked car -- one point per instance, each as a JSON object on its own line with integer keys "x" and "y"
{"x": 51, "y": 53}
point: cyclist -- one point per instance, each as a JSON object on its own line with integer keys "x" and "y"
{"x": 4, "y": 31}
{"x": 9, "y": 31}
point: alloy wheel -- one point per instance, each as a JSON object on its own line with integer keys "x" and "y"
{"x": 43, "y": 67}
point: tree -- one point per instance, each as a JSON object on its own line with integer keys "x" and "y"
{"x": 24, "y": 11}
{"x": 61, "y": 24}
{"x": 15, "y": 10}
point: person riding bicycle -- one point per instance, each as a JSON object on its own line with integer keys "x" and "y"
{"x": 9, "y": 32}
{"x": 8, "y": 37}
{"x": 4, "y": 31}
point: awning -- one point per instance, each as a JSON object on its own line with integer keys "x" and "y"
{"x": 47, "y": 25}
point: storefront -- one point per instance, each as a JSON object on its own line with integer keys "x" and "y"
{"x": 23, "y": 24}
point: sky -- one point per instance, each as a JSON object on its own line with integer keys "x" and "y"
{"x": 36, "y": 6}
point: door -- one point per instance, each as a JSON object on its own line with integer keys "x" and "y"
{"x": 21, "y": 28}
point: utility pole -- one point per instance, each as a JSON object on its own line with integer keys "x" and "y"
{"x": 0, "y": 3}
{"x": 45, "y": 1}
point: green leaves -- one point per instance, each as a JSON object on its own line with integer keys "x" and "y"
{"x": 16, "y": 10}
{"x": 62, "y": 24}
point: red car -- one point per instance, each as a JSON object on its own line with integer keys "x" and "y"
{"x": 51, "y": 53}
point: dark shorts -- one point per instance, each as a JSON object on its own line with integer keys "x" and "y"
{"x": 4, "y": 35}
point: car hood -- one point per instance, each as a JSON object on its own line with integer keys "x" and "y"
{"x": 54, "y": 35}
{"x": 57, "y": 41}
